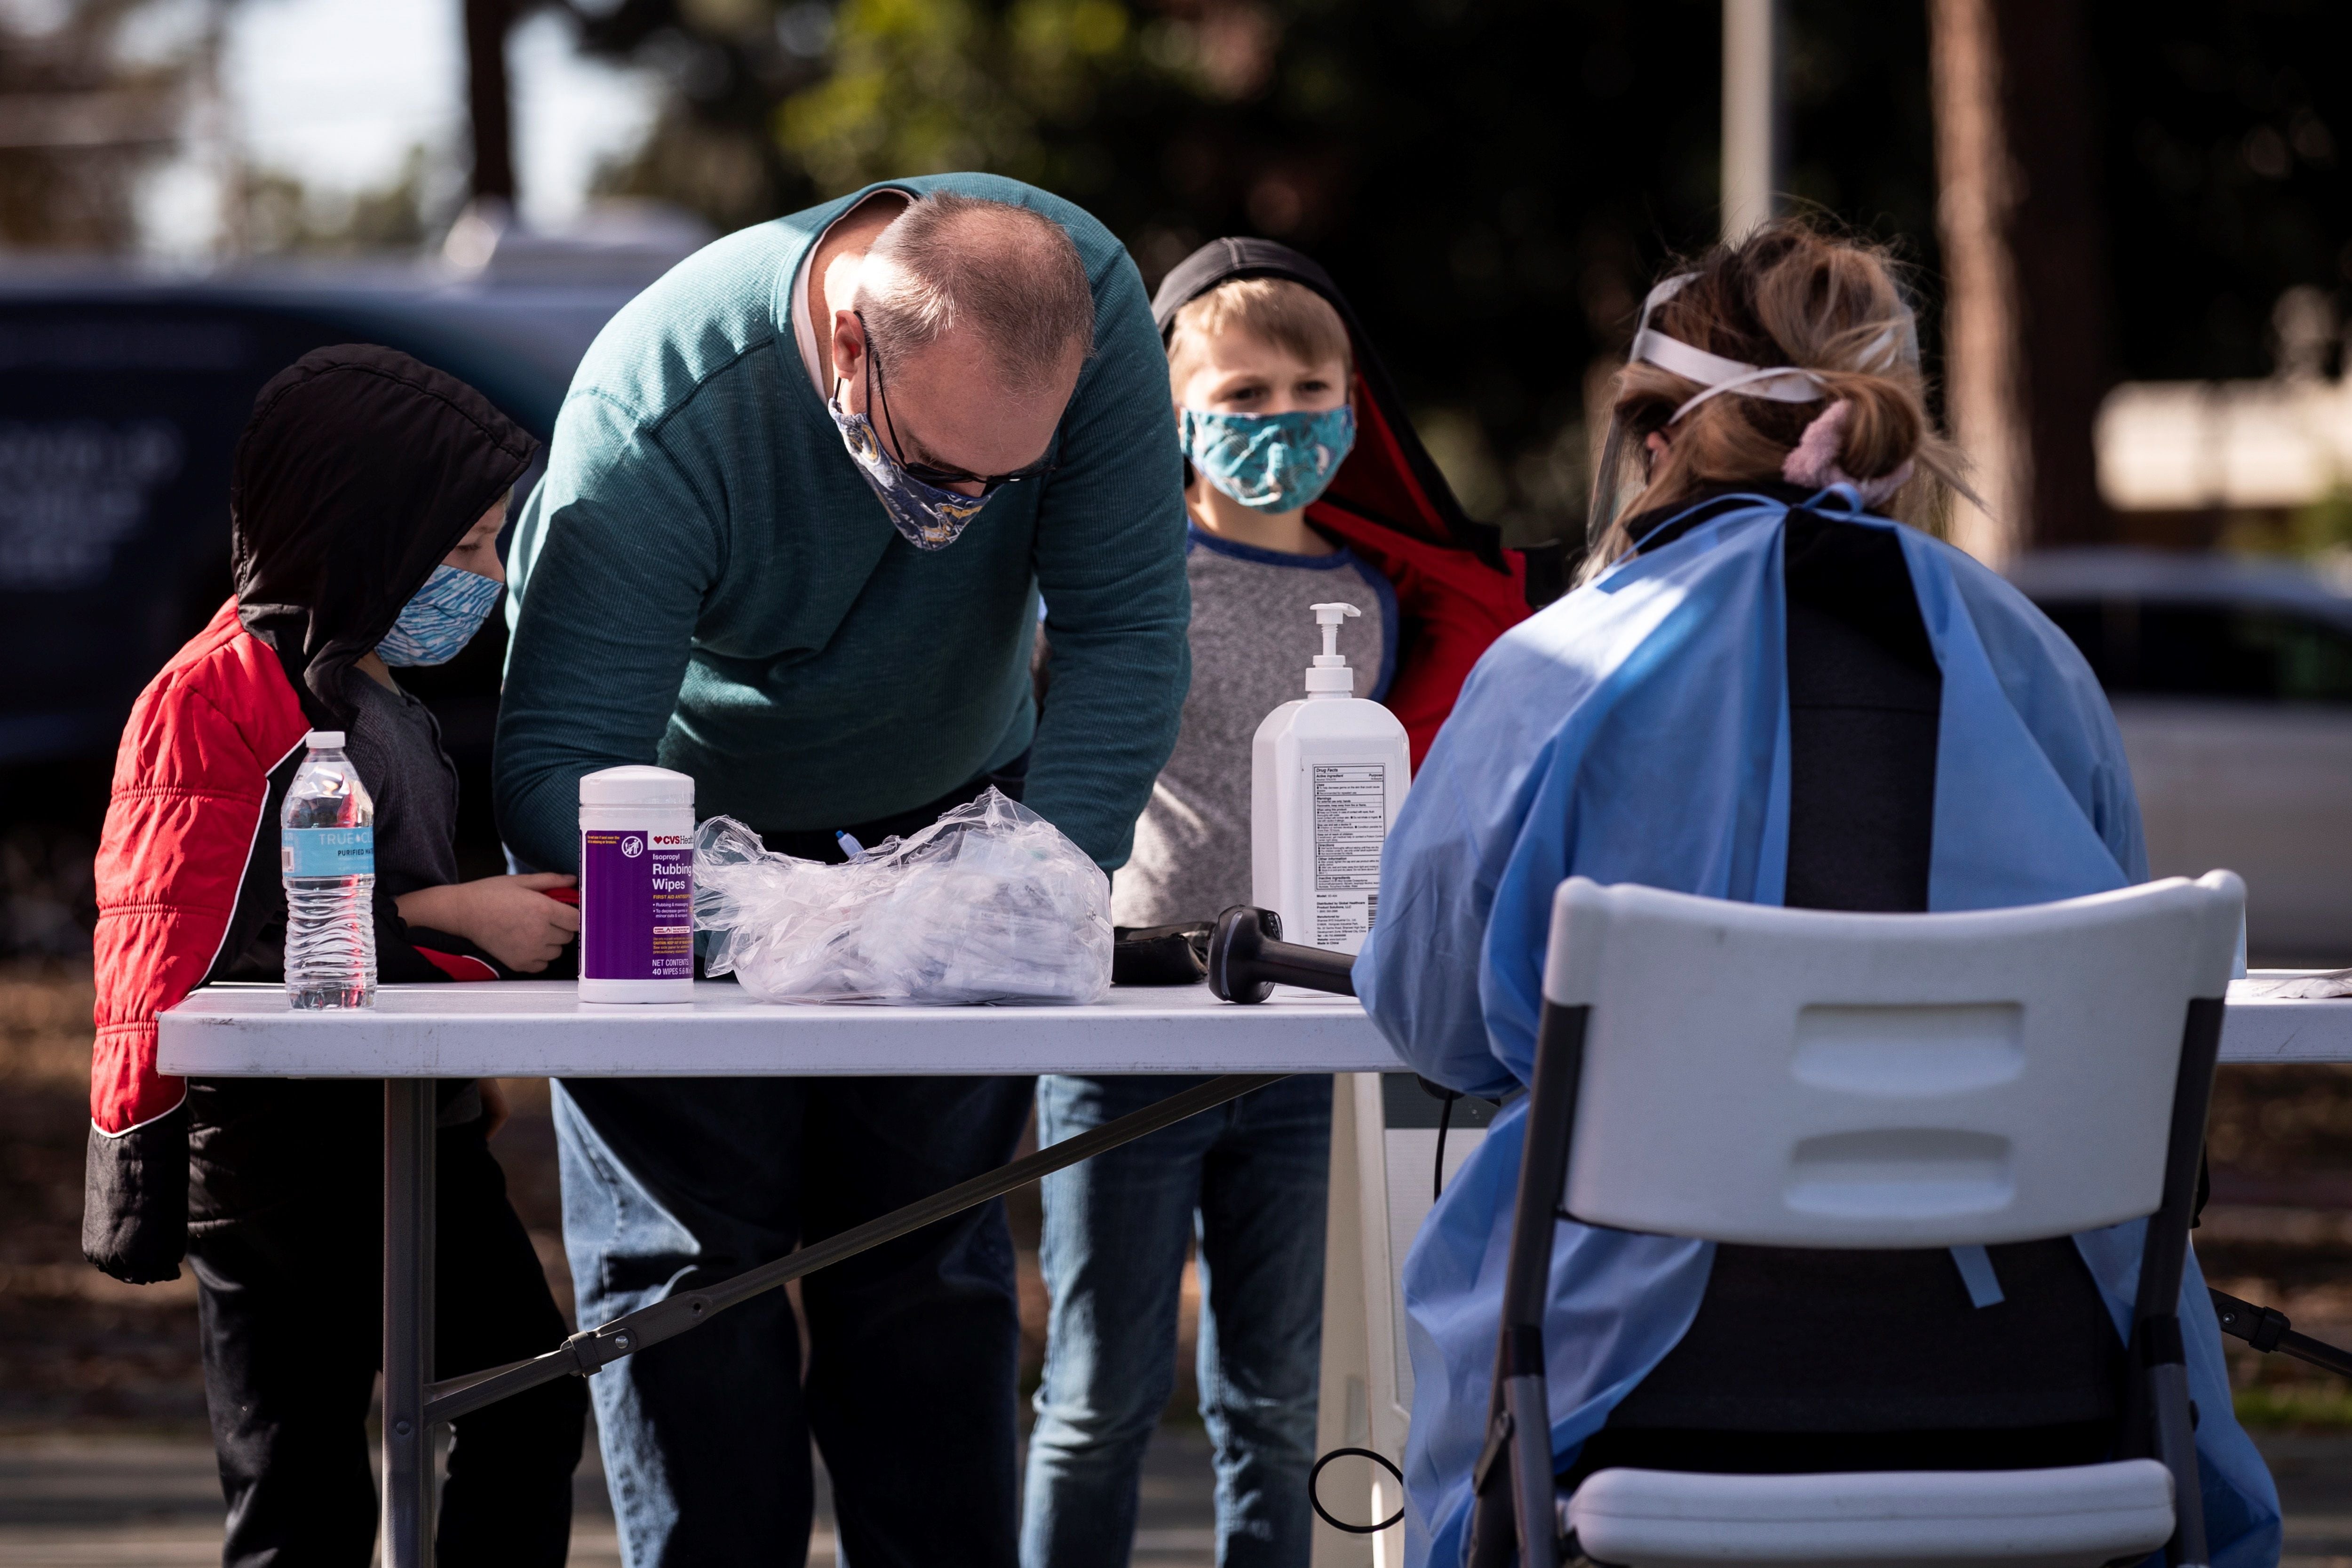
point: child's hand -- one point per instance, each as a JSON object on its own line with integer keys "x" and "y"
{"x": 509, "y": 918}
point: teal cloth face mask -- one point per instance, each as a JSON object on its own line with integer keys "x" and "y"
{"x": 441, "y": 619}
{"x": 1270, "y": 462}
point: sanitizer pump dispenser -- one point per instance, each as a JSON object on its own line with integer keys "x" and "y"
{"x": 1327, "y": 775}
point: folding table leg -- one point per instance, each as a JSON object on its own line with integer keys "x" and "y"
{"x": 408, "y": 1116}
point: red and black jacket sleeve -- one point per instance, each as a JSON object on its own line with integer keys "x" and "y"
{"x": 188, "y": 892}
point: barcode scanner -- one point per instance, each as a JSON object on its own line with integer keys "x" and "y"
{"x": 1247, "y": 959}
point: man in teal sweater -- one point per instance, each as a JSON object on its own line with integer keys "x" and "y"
{"x": 802, "y": 503}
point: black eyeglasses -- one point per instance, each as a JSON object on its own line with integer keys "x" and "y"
{"x": 989, "y": 483}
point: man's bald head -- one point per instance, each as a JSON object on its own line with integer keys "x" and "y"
{"x": 1008, "y": 276}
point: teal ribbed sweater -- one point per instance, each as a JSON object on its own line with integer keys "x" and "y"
{"x": 703, "y": 579}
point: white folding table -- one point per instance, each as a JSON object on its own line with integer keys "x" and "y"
{"x": 2264, "y": 1029}
{"x": 539, "y": 1029}
{"x": 414, "y": 1034}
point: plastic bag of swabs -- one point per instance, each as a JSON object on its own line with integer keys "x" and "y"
{"x": 990, "y": 904}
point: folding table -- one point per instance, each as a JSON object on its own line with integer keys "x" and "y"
{"x": 414, "y": 1034}
{"x": 539, "y": 1029}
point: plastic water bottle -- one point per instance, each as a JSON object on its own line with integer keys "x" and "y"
{"x": 327, "y": 851}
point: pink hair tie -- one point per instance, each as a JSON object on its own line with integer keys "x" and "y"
{"x": 1813, "y": 461}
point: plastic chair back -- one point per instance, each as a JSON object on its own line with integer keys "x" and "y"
{"x": 1806, "y": 1079}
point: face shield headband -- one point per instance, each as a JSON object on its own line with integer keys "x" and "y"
{"x": 1716, "y": 375}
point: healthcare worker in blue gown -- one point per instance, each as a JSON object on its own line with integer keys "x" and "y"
{"x": 1765, "y": 691}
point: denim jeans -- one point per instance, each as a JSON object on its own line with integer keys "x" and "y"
{"x": 910, "y": 1388}
{"x": 1248, "y": 1179}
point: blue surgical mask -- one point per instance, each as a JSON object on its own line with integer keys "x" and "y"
{"x": 1270, "y": 462}
{"x": 441, "y": 619}
{"x": 928, "y": 517}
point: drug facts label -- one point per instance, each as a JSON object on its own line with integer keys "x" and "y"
{"x": 637, "y": 905}
{"x": 326, "y": 851}
{"x": 1349, "y": 805}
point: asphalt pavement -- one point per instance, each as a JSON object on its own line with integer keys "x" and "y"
{"x": 131, "y": 1500}
{"x": 71, "y": 1500}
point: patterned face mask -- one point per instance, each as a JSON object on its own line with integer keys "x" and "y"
{"x": 928, "y": 518}
{"x": 1270, "y": 462}
{"x": 441, "y": 619}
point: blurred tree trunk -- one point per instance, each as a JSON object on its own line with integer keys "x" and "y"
{"x": 2025, "y": 317}
{"x": 488, "y": 102}
{"x": 80, "y": 125}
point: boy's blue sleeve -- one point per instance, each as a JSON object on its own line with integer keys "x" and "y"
{"x": 1110, "y": 561}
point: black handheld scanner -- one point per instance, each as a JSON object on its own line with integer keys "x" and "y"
{"x": 1247, "y": 959}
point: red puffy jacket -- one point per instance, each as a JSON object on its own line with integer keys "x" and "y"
{"x": 205, "y": 763}
{"x": 186, "y": 820}
{"x": 187, "y": 874}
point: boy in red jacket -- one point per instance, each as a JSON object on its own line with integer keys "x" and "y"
{"x": 365, "y": 504}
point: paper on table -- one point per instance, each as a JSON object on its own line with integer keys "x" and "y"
{"x": 2314, "y": 987}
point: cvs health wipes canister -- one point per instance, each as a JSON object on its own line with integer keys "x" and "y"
{"x": 636, "y": 886}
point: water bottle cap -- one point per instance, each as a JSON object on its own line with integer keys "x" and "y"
{"x": 324, "y": 739}
{"x": 636, "y": 785}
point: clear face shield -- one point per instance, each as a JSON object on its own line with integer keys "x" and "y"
{"x": 1619, "y": 473}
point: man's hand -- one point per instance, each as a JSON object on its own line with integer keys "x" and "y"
{"x": 509, "y": 918}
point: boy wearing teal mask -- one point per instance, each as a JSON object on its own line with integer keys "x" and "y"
{"x": 1260, "y": 374}
{"x": 1260, "y": 371}
{"x": 1304, "y": 484}
{"x": 1265, "y": 422}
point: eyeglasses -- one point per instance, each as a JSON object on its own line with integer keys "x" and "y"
{"x": 930, "y": 475}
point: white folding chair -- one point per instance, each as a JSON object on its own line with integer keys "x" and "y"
{"x": 1794, "y": 1077}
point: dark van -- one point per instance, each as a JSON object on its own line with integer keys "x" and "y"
{"x": 120, "y": 400}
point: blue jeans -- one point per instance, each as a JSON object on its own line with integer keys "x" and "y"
{"x": 911, "y": 1390}
{"x": 1250, "y": 1179}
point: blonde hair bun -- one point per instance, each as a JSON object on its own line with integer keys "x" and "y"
{"x": 1787, "y": 296}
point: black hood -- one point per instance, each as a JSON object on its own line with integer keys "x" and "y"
{"x": 1388, "y": 478}
{"x": 359, "y": 469}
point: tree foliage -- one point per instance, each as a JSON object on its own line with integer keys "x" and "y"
{"x": 2226, "y": 128}
{"x": 1494, "y": 181}
{"x": 80, "y": 121}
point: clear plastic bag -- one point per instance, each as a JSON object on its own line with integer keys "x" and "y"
{"x": 990, "y": 904}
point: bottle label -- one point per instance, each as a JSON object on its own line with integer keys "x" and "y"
{"x": 326, "y": 851}
{"x": 637, "y": 905}
{"x": 1349, "y": 803}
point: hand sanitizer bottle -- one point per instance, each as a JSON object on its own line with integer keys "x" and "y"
{"x": 1327, "y": 775}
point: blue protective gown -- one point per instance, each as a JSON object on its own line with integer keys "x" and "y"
{"x": 1637, "y": 731}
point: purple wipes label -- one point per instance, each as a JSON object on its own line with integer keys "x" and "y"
{"x": 637, "y": 905}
